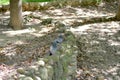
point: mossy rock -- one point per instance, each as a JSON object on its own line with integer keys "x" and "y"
{"x": 64, "y": 61}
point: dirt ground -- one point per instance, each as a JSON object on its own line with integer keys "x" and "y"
{"x": 99, "y": 45}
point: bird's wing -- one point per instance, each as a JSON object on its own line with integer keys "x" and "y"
{"x": 53, "y": 49}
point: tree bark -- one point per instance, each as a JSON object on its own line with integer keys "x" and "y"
{"x": 118, "y": 12}
{"x": 16, "y": 14}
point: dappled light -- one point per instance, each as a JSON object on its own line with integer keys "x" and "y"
{"x": 114, "y": 43}
{"x": 61, "y": 40}
{"x": 18, "y": 32}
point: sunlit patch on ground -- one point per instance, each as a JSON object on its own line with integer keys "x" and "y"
{"x": 37, "y": 38}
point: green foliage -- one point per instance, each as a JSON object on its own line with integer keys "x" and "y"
{"x": 110, "y": 0}
{"x": 62, "y": 3}
{"x": 36, "y": 0}
{"x": 3, "y": 2}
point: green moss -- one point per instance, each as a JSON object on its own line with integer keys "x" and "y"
{"x": 43, "y": 73}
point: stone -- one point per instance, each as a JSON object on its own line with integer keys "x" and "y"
{"x": 50, "y": 72}
{"x": 41, "y": 63}
{"x": 26, "y": 78}
{"x": 21, "y": 70}
{"x": 37, "y": 78}
{"x": 61, "y": 66}
{"x": 43, "y": 73}
{"x": 32, "y": 69}
{"x": 100, "y": 78}
{"x": 21, "y": 76}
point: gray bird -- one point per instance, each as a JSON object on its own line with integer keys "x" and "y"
{"x": 53, "y": 47}
{"x": 59, "y": 39}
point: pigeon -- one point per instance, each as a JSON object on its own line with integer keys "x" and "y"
{"x": 53, "y": 47}
{"x": 59, "y": 39}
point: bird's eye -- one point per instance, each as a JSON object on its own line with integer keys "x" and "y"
{"x": 57, "y": 41}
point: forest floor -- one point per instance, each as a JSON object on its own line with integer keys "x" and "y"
{"x": 101, "y": 55}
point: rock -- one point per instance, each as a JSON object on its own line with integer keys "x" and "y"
{"x": 21, "y": 76}
{"x": 88, "y": 73}
{"x": 117, "y": 77}
{"x": 37, "y": 73}
{"x": 65, "y": 65}
{"x": 28, "y": 73}
{"x": 32, "y": 69}
{"x": 100, "y": 78}
{"x": 61, "y": 66}
{"x": 50, "y": 72}
{"x": 37, "y": 78}
{"x": 41, "y": 63}
{"x": 43, "y": 73}
{"x": 21, "y": 70}
{"x": 26, "y": 78}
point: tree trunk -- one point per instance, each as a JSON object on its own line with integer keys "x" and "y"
{"x": 16, "y": 14}
{"x": 118, "y": 12}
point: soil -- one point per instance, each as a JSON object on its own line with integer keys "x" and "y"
{"x": 98, "y": 42}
